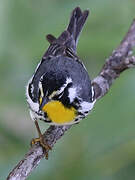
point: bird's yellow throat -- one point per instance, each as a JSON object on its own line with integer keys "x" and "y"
{"x": 58, "y": 113}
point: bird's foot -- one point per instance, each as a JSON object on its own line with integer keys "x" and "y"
{"x": 46, "y": 147}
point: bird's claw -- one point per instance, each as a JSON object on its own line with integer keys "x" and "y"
{"x": 46, "y": 147}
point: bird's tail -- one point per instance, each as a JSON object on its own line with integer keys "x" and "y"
{"x": 70, "y": 36}
{"x": 76, "y": 23}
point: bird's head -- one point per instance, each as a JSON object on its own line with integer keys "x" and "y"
{"x": 56, "y": 98}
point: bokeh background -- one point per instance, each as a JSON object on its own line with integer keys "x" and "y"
{"x": 102, "y": 147}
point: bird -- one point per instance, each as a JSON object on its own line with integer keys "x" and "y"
{"x": 60, "y": 90}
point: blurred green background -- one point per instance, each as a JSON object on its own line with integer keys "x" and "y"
{"x": 102, "y": 147}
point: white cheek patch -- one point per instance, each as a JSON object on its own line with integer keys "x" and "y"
{"x": 72, "y": 94}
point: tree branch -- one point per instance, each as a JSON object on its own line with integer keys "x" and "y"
{"x": 120, "y": 60}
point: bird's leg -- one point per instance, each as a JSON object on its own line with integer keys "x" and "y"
{"x": 41, "y": 140}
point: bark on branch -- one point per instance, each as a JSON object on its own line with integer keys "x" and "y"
{"x": 120, "y": 60}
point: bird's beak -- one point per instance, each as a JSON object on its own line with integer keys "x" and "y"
{"x": 45, "y": 100}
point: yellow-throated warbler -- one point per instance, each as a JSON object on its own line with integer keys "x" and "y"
{"x": 60, "y": 90}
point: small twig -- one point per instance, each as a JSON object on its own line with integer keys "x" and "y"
{"x": 119, "y": 61}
